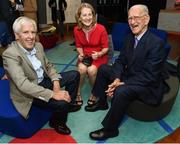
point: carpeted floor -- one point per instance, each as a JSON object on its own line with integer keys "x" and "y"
{"x": 81, "y": 123}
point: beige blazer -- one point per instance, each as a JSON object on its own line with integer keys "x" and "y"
{"x": 23, "y": 79}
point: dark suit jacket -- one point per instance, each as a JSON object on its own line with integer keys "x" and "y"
{"x": 143, "y": 66}
{"x": 7, "y": 14}
{"x": 53, "y": 5}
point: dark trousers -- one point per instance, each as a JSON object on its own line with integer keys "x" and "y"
{"x": 61, "y": 18}
{"x": 122, "y": 97}
{"x": 70, "y": 80}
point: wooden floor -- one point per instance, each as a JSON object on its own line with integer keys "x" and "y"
{"x": 172, "y": 138}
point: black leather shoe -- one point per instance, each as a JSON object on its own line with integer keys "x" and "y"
{"x": 101, "y": 134}
{"x": 74, "y": 107}
{"x": 62, "y": 129}
{"x": 96, "y": 106}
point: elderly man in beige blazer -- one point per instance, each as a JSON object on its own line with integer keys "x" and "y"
{"x": 33, "y": 79}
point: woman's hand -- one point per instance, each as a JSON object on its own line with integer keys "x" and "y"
{"x": 95, "y": 55}
{"x": 80, "y": 57}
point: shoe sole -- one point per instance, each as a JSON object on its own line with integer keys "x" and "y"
{"x": 75, "y": 109}
{"x": 96, "y": 109}
{"x": 115, "y": 134}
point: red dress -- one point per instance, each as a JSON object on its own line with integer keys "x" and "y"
{"x": 98, "y": 39}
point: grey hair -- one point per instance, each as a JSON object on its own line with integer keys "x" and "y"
{"x": 143, "y": 7}
{"x": 17, "y": 25}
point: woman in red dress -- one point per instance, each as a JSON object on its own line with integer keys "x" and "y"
{"x": 91, "y": 41}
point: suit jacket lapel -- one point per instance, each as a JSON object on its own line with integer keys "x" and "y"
{"x": 131, "y": 51}
{"x": 140, "y": 47}
{"x": 23, "y": 55}
{"x": 39, "y": 55}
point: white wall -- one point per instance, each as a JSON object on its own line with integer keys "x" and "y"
{"x": 170, "y": 4}
{"x": 48, "y": 13}
{"x": 72, "y": 6}
{"x": 169, "y": 20}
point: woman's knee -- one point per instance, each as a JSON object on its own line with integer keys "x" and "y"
{"x": 92, "y": 71}
{"x": 82, "y": 69}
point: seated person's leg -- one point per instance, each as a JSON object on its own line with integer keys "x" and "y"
{"x": 70, "y": 80}
{"x": 103, "y": 79}
{"x": 83, "y": 71}
{"x": 92, "y": 72}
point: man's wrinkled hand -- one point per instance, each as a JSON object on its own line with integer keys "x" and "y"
{"x": 62, "y": 95}
{"x": 113, "y": 86}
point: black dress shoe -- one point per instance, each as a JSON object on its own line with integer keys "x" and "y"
{"x": 62, "y": 129}
{"x": 96, "y": 106}
{"x": 74, "y": 107}
{"x": 101, "y": 134}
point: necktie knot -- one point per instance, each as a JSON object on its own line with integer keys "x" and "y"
{"x": 135, "y": 42}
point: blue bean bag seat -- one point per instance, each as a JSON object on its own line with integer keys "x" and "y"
{"x": 12, "y": 123}
{"x": 2, "y": 72}
{"x": 119, "y": 32}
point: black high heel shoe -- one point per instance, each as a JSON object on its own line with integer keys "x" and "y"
{"x": 91, "y": 100}
{"x": 79, "y": 100}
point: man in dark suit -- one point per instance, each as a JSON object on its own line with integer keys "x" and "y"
{"x": 137, "y": 74}
{"x": 57, "y": 14}
{"x": 33, "y": 79}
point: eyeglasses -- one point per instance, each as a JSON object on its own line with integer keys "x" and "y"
{"x": 135, "y": 18}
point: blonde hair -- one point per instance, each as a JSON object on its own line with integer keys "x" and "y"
{"x": 78, "y": 14}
